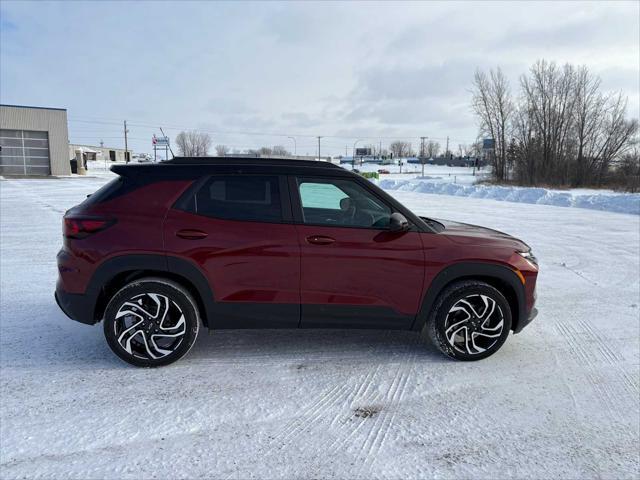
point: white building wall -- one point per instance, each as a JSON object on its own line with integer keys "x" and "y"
{"x": 102, "y": 152}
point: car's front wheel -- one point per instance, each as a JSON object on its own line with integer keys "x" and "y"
{"x": 151, "y": 322}
{"x": 470, "y": 321}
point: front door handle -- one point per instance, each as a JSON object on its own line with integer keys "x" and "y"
{"x": 189, "y": 234}
{"x": 320, "y": 240}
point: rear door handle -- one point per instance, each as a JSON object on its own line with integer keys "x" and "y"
{"x": 189, "y": 234}
{"x": 320, "y": 240}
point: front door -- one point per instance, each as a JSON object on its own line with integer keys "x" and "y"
{"x": 354, "y": 271}
{"x": 234, "y": 228}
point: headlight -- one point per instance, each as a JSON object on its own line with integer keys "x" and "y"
{"x": 529, "y": 257}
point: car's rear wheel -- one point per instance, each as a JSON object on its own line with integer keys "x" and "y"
{"x": 151, "y": 322}
{"x": 470, "y": 321}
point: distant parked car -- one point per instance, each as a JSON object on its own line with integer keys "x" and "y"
{"x": 383, "y": 170}
{"x": 166, "y": 248}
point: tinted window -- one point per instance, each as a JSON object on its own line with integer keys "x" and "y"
{"x": 341, "y": 203}
{"x": 240, "y": 197}
{"x": 106, "y": 192}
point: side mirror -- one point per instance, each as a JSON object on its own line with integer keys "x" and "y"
{"x": 398, "y": 223}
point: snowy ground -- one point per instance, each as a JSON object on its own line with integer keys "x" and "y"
{"x": 580, "y": 198}
{"x": 559, "y": 400}
{"x": 461, "y": 182}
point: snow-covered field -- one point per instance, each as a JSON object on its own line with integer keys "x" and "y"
{"x": 461, "y": 182}
{"x": 559, "y": 400}
{"x": 580, "y": 198}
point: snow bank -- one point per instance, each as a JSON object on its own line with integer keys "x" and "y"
{"x": 611, "y": 202}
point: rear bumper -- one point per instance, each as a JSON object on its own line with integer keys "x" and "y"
{"x": 75, "y": 306}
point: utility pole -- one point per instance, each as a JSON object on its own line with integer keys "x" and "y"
{"x": 319, "y": 137}
{"x": 295, "y": 146}
{"x": 126, "y": 145}
{"x": 446, "y": 152}
{"x": 422, "y": 139}
{"x": 346, "y": 150}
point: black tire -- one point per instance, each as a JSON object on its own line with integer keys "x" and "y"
{"x": 464, "y": 339}
{"x": 149, "y": 317}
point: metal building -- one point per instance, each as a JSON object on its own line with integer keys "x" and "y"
{"x": 33, "y": 141}
{"x": 103, "y": 154}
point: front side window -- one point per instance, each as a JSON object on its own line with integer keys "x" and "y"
{"x": 239, "y": 197}
{"x": 338, "y": 202}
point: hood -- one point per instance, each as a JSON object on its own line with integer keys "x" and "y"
{"x": 465, "y": 234}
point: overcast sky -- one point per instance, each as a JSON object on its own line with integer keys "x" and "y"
{"x": 346, "y": 71}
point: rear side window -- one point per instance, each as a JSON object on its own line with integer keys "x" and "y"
{"x": 106, "y": 192}
{"x": 239, "y": 197}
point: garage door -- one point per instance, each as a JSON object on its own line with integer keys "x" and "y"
{"x": 24, "y": 152}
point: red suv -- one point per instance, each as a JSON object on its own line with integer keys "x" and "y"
{"x": 252, "y": 243}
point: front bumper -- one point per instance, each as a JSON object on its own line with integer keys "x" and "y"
{"x": 75, "y": 306}
{"x": 526, "y": 320}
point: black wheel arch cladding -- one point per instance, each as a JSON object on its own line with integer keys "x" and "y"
{"x": 125, "y": 268}
{"x": 501, "y": 277}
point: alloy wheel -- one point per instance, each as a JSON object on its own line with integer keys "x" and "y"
{"x": 474, "y": 324}
{"x": 149, "y": 326}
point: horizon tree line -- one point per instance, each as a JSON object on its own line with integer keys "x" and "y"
{"x": 560, "y": 129}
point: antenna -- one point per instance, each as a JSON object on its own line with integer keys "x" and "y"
{"x": 168, "y": 144}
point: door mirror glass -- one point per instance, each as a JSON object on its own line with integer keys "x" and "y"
{"x": 398, "y": 223}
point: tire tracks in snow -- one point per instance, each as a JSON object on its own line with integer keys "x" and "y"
{"x": 388, "y": 402}
{"x": 589, "y": 350}
{"x": 314, "y": 414}
{"x": 344, "y": 428}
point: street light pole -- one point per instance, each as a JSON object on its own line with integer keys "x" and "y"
{"x": 295, "y": 146}
{"x": 126, "y": 145}
{"x": 319, "y": 137}
{"x": 353, "y": 156}
{"x": 422, "y": 153}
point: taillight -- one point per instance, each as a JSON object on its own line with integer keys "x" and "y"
{"x": 83, "y": 227}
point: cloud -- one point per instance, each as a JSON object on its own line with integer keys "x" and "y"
{"x": 299, "y": 119}
{"x": 411, "y": 82}
{"x": 225, "y": 105}
{"x": 364, "y": 69}
{"x": 604, "y": 30}
{"x": 7, "y": 26}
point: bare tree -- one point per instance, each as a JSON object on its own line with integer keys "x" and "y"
{"x": 563, "y": 129}
{"x": 617, "y": 136}
{"x": 549, "y": 92}
{"x": 400, "y": 149}
{"x": 221, "y": 150}
{"x": 432, "y": 149}
{"x": 493, "y": 104}
{"x": 193, "y": 144}
{"x": 628, "y": 168}
{"x": 280, "y": 151}
{"x": 589, "y": 108}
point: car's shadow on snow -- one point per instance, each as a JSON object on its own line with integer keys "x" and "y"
{"x": 50, "y": 338}
{"x": 304, "y": 346}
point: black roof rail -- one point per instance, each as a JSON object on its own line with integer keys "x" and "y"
{"x": 284, "y": 161}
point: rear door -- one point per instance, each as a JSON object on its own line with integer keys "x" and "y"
{"x": 354, "y": 271}
{"x": 237, "y": 228}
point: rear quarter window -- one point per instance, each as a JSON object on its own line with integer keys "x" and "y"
{"x": 106, "y": 192}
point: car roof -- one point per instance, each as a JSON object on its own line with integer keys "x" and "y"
{"x": 279, "y": 161}
{"x": 197, "y": 166}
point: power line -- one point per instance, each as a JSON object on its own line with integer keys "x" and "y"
{"x": 255, "y": 133}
